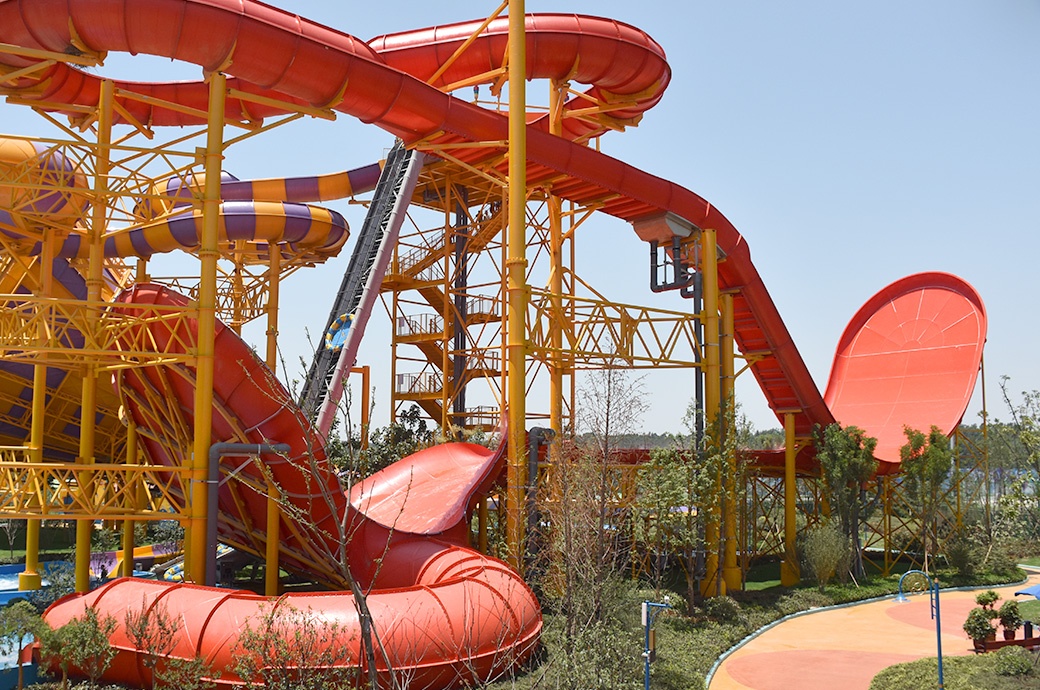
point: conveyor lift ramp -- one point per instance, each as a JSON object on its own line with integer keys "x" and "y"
{"x": 360, "y": 286}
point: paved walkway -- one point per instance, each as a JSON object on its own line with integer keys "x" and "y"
{"x": 846, "y": 647}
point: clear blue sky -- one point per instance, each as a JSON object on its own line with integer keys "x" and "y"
{"x": 850, "y": 143}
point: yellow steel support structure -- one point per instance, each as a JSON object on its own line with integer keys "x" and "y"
{"x": 516, "y": 285}
{"x": 94, "y": 285}
{"x": 30, "y": 578}
{"x": 731, "y": 572}
{"x": 132, "y": 501}
{"x": 274, "y": 511}
{"x": 712, "y": 583}
{"x": 557, "y": 366}
{"x": 208, "y": 254}
{"x": 790, "y": 573}
{"x": 274, "y": 520}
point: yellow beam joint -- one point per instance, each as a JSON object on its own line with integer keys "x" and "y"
{"x": 321, "y": 113}
{"x": 82, "y": 60}
{"x": 468, "y": 42}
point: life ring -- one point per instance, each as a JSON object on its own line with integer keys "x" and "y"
{"x": 337, "y": 333}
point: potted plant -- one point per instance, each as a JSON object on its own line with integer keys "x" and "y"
{"x": 1010, "y": 618}
{"x": 979, "y": 628}
{"x": 987, "y": 599}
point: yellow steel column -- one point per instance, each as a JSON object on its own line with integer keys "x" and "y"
{"x": 712, "y": 584}
{"x": 208, "y": 254}
{"x": 133, "y": 498}
{"x": 516, "y": 285}
{"x": 556, "y": 369}
{"x": 790, "y": 573}
{"x": 274, "y": 509}
{"x": 730, "y": 569}
{"x": 30, "y": 577}
{"x": 95, "y": 270}
{"x": 274, "y": 283}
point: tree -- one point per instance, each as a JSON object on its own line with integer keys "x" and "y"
{"x": 846, "y": 457}
{"x": 154, "y": 634}
{"x": 684, "y": 486}
{"x": 584, "y": 523}
{"x": 84, "y": 643}
{"x": 386, "y": 445}
{"x": 19, "y": 621}
{"x": 926, "y": 462}
{"x": 53, "y": 653}
{"x": 611, "y": 405}
{"x": 826, "y": 551}
{"x": 286, "y": 648}
{"x": 12, "y": 528}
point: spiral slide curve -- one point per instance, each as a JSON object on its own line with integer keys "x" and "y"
{"x": 41, "y": 187}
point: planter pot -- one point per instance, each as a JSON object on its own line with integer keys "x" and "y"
{"x": 1009, "y": 634}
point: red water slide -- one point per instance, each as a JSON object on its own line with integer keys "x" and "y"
{"x": 909, "y": 358}
{"x": 384, "y": 82}
{"x": 268, "y": 50}
{"x": 444, "y": 614}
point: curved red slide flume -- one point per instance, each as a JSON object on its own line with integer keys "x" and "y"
{"x": 266, "y": 48}
{"x": 445, "y": 614}
{"x": 909, "y": 358}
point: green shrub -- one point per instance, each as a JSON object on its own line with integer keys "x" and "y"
{"x": 1013, "y": 661}
{"x": 964, "y": 556}
{"x": 986, "y": 599}
{"x": 601, "y": 656}
{"x": 286, "y": 648}
{"x": 1010, "y": 618}
{"x": 802, "y": 600}
{"x": 978, "y": 625}
{"x": 826, "y": 552}
{"x": 725, "y": 610}
{"x": 82, "y": 644}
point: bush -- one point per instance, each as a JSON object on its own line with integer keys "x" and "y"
{"x": 725, "y": 610}
{"x": 81, "y": 644}
{"x": 987, "y": 599}
{"x": 826, "y": 551}
{"x": 61, "y": 577}
{"x": 285, "y": 648}
{"x": 1010, "y": 617}
{"x": 1013, "y": 661}
{"x": 601, "y": 656}
{"x": 964, "y": 556}
{"x": 802, "y": 600}
{"x": 978, "y": 624}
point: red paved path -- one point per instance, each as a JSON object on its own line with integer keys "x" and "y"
{"x": 843, "y": 649}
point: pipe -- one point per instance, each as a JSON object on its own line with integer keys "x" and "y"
{"x": 536, "y": 437}
{"x": 216, "y": 452}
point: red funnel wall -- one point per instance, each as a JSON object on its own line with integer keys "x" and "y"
{"x": 909, "y": 358}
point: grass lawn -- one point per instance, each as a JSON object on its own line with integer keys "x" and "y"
{"x": 980, "y": 672}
